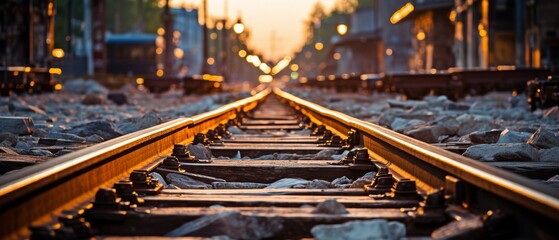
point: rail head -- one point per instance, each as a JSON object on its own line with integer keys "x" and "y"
{"x": 510, "y": 186}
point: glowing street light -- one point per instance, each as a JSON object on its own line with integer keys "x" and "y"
{"x": 239, "y": 27}
{"x": 342, "y": 29}
{"x": 318, "y": 46}
{"x": 58, "y": 53}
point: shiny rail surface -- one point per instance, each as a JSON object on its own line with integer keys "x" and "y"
{"x": 34, "y": 194}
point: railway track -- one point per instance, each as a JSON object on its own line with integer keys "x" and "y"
{"x": 110, "y": 189}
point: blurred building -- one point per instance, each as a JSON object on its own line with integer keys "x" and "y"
{"x": 361, "y": 49}
{"x": 524, "y": 33}
{"x": 423, "y": 35}
{"x": 26, "y": 32}
{"x": 188, "y": 34}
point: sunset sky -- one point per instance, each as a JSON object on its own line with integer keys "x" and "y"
{"x": 283, "y": 17}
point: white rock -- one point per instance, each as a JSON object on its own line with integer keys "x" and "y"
{"x": 341, "y": 182}
{"x": 231, "y": 224}
{"x": 330, "y": 206}
{"x": 185, "y": 182}
{"x": 360, "y": 230}
{"x": 289, "y": 183}
{"x": 318, "y": 184}
{"x": 238, "y": 185}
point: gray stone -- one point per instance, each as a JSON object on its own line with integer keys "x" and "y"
{"x": 118, "y": 98}
{"x": 445, "y": 125}
{"x": 330, "y": 206}
{"x": 442, "y": 126}
{"x": 160, "y": 179}
{"x": 549, "y": 154}
{"x": 94, "y": 139}
{"x": 553, "y": 179}
{"x": 451, "y": 106}
{"x": 510, "y": 136}
{"x": 238, "y": 185}
{"x": 359, "y": 183}
{"x": 66, "y": 136}
{"x": 401, "y": 125}
{"x": 8, "y": 139}
{"x": 94, "y": 99}
{"x": 471, "y": 123}
{"x": 503, "y": 152}
{"x": 289, "y": 183}
{"x": 63, "y": 151}
{"x": 231, "y": 224}
{"x": 425, "y": 134}
{"x": 20, "y": 106}
{"x": 340, "y": 156}
{"x": 41, "y": 152}
{"x": 436, "y": 100}
{"x": 135, "y": 124}
{"x": 485, "y": 137}
{"x": 199, "y": 151}
{"x": 388, "y": 117}
{"x": 406, "y": 104}
{"x": 341, "y": 182}
{"x": 357, "y": 230}
{"x": 318, "y": 184}
{"x": 104, "y": 129}
{"x": 544, "y": 139}
{"x": 325, "y": 155}
{"x": 81, "y": 86}
{"x": 40, "y": 133}
{"x": 185, "y": 182}
{"x": 368, "y": 176}
{"x": 17, "y": 125}
{"x": 23, "y": 146}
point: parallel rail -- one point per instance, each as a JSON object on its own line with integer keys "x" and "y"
{"x": 33, "y": 194}
{"x": 483, "y": 186}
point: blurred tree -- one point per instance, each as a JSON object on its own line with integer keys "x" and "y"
{"x": 133, "y": 16}
{"x": 346, "y": 6}
{"x": 317, "y": 14}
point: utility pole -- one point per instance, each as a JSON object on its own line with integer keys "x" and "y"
{"x": 87, "y": 36}
{"x": 205, "y": 39}
{"x": 167, "y": 20}
{"x": 69, "y": 29}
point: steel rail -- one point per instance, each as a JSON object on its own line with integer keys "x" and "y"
{"x": 433, "y": 166}
{"x": 32, "y": 194}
